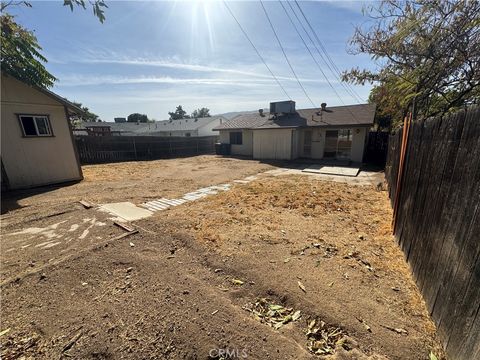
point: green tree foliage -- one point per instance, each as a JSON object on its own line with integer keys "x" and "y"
{"x": 136, "y": 117}
{"x": 97, "y": 6}
{"x": 179, "y": 113}
{"x": 20, "y": 50}
{"x": 427, "y": 54}
{"x": 20, "y": 54}
{"x": 201, "y": 113}
{"x": 87, "y": 114}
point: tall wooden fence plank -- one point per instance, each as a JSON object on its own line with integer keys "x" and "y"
{"x": 438, "y": 222}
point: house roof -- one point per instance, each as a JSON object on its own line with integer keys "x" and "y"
{"x": 184, "y": 124}
{"x": 350, "y": 115}
{"x": 153, "y": 127}
{"x": 71, "y": 106}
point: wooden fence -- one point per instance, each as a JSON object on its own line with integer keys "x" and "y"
{"x": 377, "y": 148}
{"x": 438, "y": 222}
{"x": 104, "y": 149}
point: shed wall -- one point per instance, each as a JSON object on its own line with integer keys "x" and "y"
{"x": 34, "y": 161}
{"x": 272, "y": 144}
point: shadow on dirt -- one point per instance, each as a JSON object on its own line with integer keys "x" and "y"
{"x": 10, "y": 198}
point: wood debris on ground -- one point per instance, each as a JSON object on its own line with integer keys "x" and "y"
{"x": 323, "y": 339}
{"x": 272, "y": 314}
{"x": 302, "y": 287}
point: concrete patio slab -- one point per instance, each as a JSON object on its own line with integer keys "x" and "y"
{"x": 332, "y": 170}
{"x": 126, "y": 211}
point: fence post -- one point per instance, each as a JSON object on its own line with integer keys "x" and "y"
{"x": 401, "y": 165}
{"x": 134, "y": 148}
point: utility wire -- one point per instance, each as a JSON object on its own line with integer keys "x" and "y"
{"x": 314, "y": 59}
{"x": 330, "y": 63}
{"x": 318, "y": 50}
{"x": 310, "y": 52}
{"x": 323, "y": 54}
{"x": 256, "y": 50}
{"x": 285, "y": 55}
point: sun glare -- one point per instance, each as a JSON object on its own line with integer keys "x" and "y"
{"x": 202, "y": 25}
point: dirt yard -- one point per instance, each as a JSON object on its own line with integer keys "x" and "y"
{"x": 136, "y": 181}
{"x": 284, "y": 267}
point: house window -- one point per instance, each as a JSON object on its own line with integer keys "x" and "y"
{"x": 236, "y": 138}
{"x": 188, "y": 134}
{"x": 35, "y": 125}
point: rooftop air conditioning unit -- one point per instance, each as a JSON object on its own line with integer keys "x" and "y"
{"x": 285, "y": 107}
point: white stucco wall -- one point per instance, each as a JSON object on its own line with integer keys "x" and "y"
{"x": 358, "y": 144}
{"x": 272, "y": 144}
{"x": 34, "y": 161}
{"x": 246, "y": 149}
{"x": 286, "y": 144}
{"x": 318, "y": 143}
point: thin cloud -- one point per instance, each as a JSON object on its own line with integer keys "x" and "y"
{"x": 69, "y": 80}
{"x": 190, "y": 67}
{"x": 82, "y": 80}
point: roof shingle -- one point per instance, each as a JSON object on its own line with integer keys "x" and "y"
{"x": 131, "y": 128}
{"x": 351, "y": 115}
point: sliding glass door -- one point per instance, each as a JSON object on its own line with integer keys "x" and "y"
{"x": 338, "y": 144}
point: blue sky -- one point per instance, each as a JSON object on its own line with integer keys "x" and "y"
{"x": 149, "y": 57}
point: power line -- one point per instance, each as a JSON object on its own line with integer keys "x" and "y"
{"x": 335, "y": 71}
{"x": 310, "y": 52}
{"x": 285, "y": 55}
{"x": 314, "y": 59}
{"x": 323, "y": 56}
{"x": 349, "y": 89}
{"x": 256, "y": 50}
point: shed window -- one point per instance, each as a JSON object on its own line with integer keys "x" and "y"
{"x": 35, "y": 125}
{"x": 236, "y": 138}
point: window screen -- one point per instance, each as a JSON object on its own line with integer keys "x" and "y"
{"x": 35, "y": 125}
{"x": 236, "y": 138}
{"x": 42, "y": 126}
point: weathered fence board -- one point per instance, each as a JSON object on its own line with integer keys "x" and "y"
{"x": 438, "y": 222}
{"x": 103, "y": 149}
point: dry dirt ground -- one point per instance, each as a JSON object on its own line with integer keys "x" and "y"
{"x": 317, "y": 256}
{"x": 136, "y": 181}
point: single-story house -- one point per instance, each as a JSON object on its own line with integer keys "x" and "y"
{"x": 284, "y": 133}
{"x": 181, "y": 127}
{"x": 187, "y": 127}
{"x": 37, "y": 142}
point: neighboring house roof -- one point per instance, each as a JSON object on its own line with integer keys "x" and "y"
{"x": 184, "y": 124}
{"x": 130, "y": 128}
{"x": 350, "y": 115}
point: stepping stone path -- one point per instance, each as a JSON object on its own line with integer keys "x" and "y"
{"x": 163, "y": 203}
